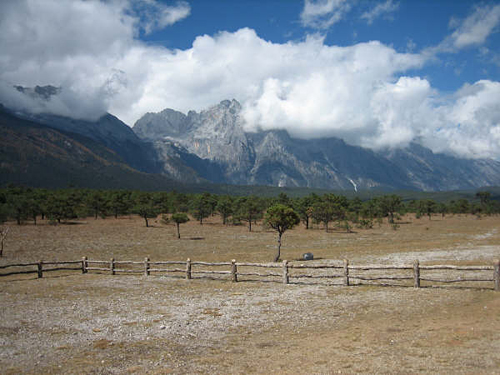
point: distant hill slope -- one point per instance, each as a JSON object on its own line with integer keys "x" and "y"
{"x": 110, "y": 132}
{"x": 36, "y": 155}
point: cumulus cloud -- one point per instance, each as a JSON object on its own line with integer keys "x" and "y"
{"x": 79, "y": 46}
{"x": 321, "y": 14}
{"x": 381, "y": 9}
{"x": 362, "y": 93}
{"x": 470, "y": 122}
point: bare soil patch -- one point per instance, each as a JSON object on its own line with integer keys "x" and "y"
{"x": 73, "y": 323}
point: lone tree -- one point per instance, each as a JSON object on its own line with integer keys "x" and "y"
{"x": 179, "y": 218}
{"x": 281, "y": 218}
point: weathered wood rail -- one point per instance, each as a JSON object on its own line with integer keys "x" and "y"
{"x": 39, "y": 269}
{"x": 413, "y": 274}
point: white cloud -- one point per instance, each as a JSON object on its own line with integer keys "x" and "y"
{"x": 80, "y": 46}
{"x": 154, "y": 15}
{"x": 477, "y": 27}
{"x": 381, "y": 9}
{"x": 321, "y": 14}
{"x": 362, "y": 93}
{"x": 471, "y": 121}
{"x": 472, "y": 31}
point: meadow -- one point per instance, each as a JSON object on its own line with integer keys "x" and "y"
{"x": 98, "y": 323}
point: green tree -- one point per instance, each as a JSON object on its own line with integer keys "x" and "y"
{"x": 64, "y": 205}
{"x": 281, "y": 218}
{"x": 33, "y": 208}
{"x": 323, "y": 212}
{"x": 4, "y": 213}
{"x": 119, "y": 203}
{"x": 370, "y": 210}
{"x": 249, "y": 209}
{"x": 484, "y": 197}
{"x": 145, "y": 207}
{"x": 442, "y": 208}
{"x": 355, "y": 207}
{"x": 283, "y": 199}
{"x": 179, "y": 218}
{"x": 304, "y": 208}
{"x": 163, "y": 202}
{"x": 462, "y": 206}
{"x": 389, "y": 205}
{"x": 340, "y": 206}
{"x": 332, "y": 207}
{"x": 40, "y": 197}
{"x": 56, "y": 207}
{"x": 96, "y": 203}
{"x": 179, "y": 202}
{"x": 426, "y": 207}
{"x": 201, "y": 207}
{"x": 18, "y": 207}
{"x": 225, "y": 207}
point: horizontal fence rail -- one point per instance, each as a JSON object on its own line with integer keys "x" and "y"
{"x": 288, "y": 272}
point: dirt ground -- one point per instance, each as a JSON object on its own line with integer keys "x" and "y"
{"x": 103, "y": 324}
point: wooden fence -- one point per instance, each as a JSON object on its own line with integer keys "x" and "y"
{"x": 288, "y": 272}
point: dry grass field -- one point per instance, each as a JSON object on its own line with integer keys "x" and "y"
{"x": 103, "y": 324}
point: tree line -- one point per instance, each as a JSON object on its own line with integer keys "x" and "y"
{"x": 58, "y": 206}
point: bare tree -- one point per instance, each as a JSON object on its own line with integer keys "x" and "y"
{"x": 3, "y": 235}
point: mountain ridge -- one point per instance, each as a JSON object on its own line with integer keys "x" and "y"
{"x": 275, "y": 158}
{"x": 212, "y": 146}
{"x": 37, "y": 155}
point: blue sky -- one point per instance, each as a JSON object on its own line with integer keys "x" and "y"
{"x": 378, "y": 74}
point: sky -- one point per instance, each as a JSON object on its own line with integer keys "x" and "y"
{"x": 376, "y": 73}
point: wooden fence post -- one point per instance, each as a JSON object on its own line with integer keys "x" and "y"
{"x": 285, "y": 272}
{"x": 146, "y": 266}
{"x": 188, "y": 269}
{"x": 496, "y": 277}
{"x": 39, "y": 269}
{"x": 234, "y": 271}
{"x": 416, "y": 274}
{"x": 84, "y": 265}
{"x": 346, "y": 272}
{"x": 112, "y": 266}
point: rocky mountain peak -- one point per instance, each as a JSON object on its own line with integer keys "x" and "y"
{"x": 167, "y": 123}
{"x": 233, "y": 106}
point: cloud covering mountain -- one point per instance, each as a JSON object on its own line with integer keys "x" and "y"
{"x": 370, "y": 94}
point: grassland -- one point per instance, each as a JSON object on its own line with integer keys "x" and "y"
{"x": 73, "y": 323}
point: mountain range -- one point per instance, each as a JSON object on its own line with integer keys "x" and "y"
{"x": 169, "y": 148}
{"x": 227, "y": 154}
